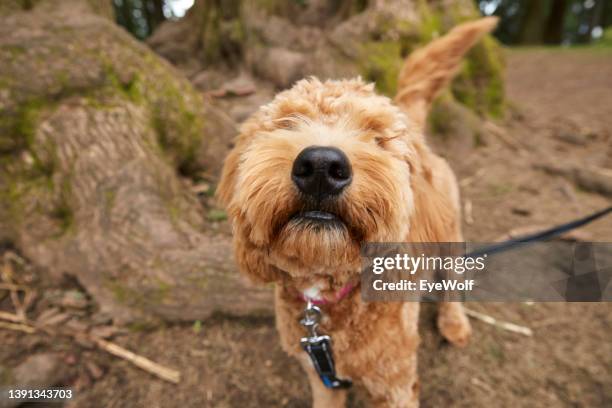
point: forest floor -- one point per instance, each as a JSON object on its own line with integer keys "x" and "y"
{"x": 560, "y": 119}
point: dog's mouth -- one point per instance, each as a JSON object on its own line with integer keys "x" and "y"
{"x": 319, "y": 216}
{"x": 323, "y": 221}
{"x": 314, "y": 238}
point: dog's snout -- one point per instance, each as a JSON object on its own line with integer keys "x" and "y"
{"x": 321, "y": 171}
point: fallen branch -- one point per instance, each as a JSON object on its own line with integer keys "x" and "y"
{"x": 467, "y": 209}
{"x": 515, "y": 328}
{"x": 144, "y": 363}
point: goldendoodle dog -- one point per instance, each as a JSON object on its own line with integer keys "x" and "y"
{"x": 326, "y": 167}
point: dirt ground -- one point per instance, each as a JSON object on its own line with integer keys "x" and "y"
{"x": 560, "y": 115}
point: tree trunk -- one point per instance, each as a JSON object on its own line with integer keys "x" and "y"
{"x": 532, "y": 26}
{"x": 555, "y": 24}
{"x": 155, "y": 13}
{"x": 93, "y": 130}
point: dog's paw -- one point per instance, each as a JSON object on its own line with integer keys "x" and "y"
{"x": 455, "y": 327}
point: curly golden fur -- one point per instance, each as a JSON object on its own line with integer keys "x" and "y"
{"x": 400, "y": 191}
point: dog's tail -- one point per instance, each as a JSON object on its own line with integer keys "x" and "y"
{"x": 429, "y": 70}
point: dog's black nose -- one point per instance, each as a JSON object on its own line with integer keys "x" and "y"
{"x": 321, "y": 171}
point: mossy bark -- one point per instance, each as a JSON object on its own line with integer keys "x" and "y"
{"x": 94, "y": 131}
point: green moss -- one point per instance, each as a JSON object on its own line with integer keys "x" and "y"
{"x": 179, "y": 132}
{"x": 130, "y": 88}
{"x": 217, "y": 215}
{"x": 197, "y": 326}
{"x": 63, "y": 212}
{"x": 431, "y": 23}
{"x": 14, "y": 50}
{"x": 440, "y": 117}
{"x": 109, "y": 199}
{"x": 12, "y": 191}
{"x": 152, "y": 292}
{"x": 121, "y": 293}
{"x": 450, "y": 119}
{"x": 160, "y": 293}
{"x": 27, "y": 4}
{"x": 140, "y": 326}
{"x": 174, "y": 212}
{"x": 381, "y": 63}
{"x": 6, "y": 376}
{"x": 18, "y": 129}
{"x": 200, "y": 281}
{"x": 497, "y": 352}
{"x": 8, "y": 141}
{"x": 479, "y": 85}
{"x": 479, "y": 140}
{"x": 23, "y": 177}
{"x": 382, "y": 57}
{"x": 500, "y": 189}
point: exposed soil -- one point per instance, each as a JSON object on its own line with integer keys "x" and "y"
{"x": 560, "y": 115}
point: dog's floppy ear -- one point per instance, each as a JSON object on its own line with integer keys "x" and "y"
{"x": 251, "y": 260}
{"x": 227, "y": 183}
{"x": 429, "y": 70}
{"x": 435, "y": 216}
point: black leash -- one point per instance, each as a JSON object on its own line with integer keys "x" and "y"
{"x": 539, "y": 236}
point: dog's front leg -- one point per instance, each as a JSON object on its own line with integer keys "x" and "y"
{"x": 453, "y": 323}
{"x": 395, "y": 385}
{"x": 322, "y": 397}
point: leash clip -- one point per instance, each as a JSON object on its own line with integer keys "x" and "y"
{"x": 319, "y": 349}
{"x": 311, "y": 319}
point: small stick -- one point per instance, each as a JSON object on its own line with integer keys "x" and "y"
{"x": 10, "y": 255}
{"x": 17, "y": 304}
{"x": 28, "y": 299}
{"x": 479, "y": 383}
{"x": 10, "y": 317}
{"x": 162, "y": 372}
{"x": 17, "y": 327}
{"x": 497, "y": 323}
{"x": 467, "y": 208}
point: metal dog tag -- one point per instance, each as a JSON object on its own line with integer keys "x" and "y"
{"x": 319, "y": 349}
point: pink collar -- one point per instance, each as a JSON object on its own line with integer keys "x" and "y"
{"x": 341, "y": 294}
